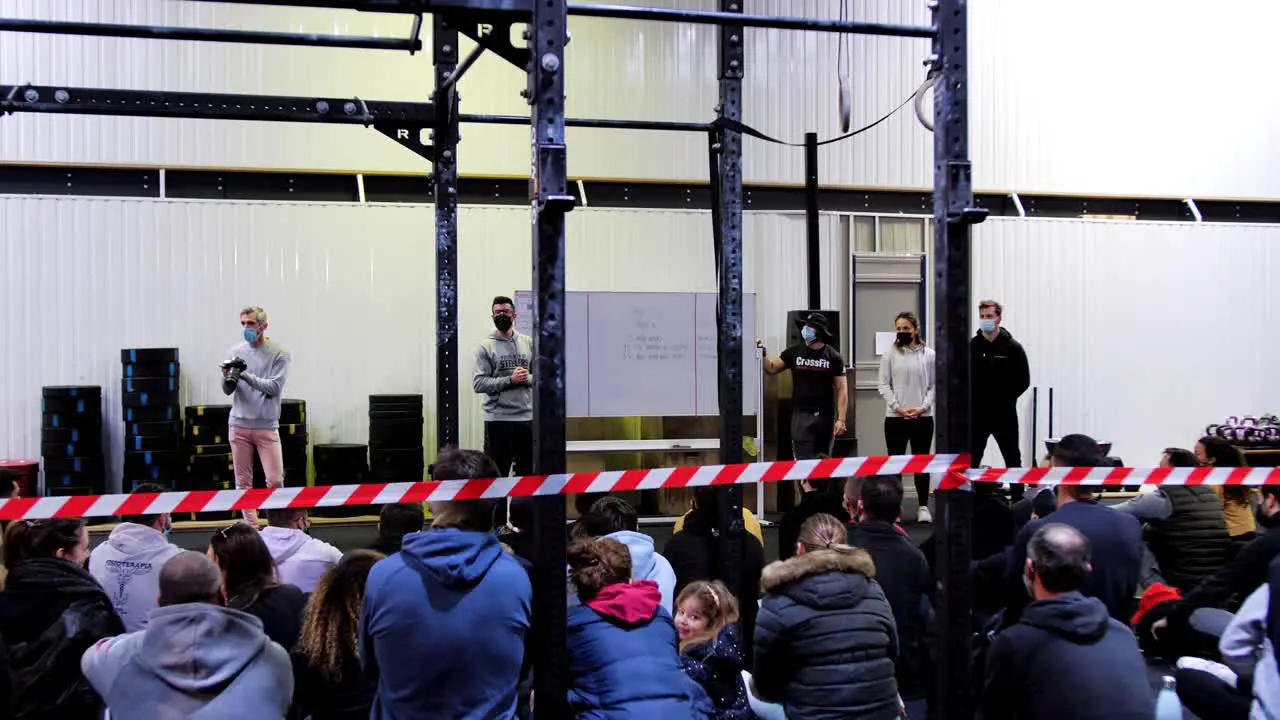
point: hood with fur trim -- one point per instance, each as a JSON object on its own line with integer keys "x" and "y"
{"x": 822, "y": 579}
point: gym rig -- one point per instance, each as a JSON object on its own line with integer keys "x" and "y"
{"x": 488, "y": 23}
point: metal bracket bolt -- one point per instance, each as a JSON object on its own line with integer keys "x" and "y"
{"x": 550, "y": 63}
{"x": 349, "y": 108}
{"x": 30, "y": 95}
{"x": 322, "y": 107}
{"x": 62, "y": 96}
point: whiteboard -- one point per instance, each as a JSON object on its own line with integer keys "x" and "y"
{"x": 646, "y": 354}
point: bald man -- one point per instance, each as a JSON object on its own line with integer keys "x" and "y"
{"x": 195, "y": 657}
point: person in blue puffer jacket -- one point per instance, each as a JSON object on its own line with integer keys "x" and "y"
{"x": 623, "y": 659}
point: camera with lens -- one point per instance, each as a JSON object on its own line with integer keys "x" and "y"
{"x": 233, "y": 368}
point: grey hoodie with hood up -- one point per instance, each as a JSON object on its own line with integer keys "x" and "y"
{"x": 196, "y": 661}
{"x": 128, "y": 566}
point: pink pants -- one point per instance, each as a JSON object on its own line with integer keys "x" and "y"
{"x": 266, "y": 442}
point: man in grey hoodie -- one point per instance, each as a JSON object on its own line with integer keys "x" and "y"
{"x": 128, "y": 564}
{"x": 196, "y": 659}
{"x": 502, "y": 376}
{"x": 255, "y": 393}
{"x": 614, "y": 518}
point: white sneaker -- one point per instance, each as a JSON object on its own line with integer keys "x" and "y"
{"x": 923, "y": 516}
{"x": 1218, "y": 670}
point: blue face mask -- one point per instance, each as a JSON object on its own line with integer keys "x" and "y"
{"x": 987, "y": 326}
{"x": 250, "y": 334}
{"x": 808, "y": 334}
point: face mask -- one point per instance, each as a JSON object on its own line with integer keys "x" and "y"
{"x": 987, "y": 326}
{"x": 250, "y": 335}
{"x": 1026, "y": 582}
{"x": 809, "y": 334}
{"x": 1265, "y": 520}
{"x": 905, "y": 338}
{"x": 502, "y": 322}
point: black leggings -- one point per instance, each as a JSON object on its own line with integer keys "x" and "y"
{"x": 900, "y": 432}
{"x": 1207, "y": 696}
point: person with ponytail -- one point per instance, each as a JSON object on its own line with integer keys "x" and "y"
{"x": 907, "y": 384}
{"x": 711, "y": 646}
{"x": 51, "y": 612}
{"x": 252, "y": 585}
{"x": 825, "y": 636}
{"x": 328, "y": 682}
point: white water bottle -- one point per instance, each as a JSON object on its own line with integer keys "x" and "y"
{"x": 1167, "y": 705}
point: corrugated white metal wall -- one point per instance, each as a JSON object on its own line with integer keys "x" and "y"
{"x": 1147, "y": 331}
{"x": 349, "y": 290}
{"x": 1059, "y": 92}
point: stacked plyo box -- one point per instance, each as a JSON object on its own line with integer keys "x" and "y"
{"x": 293, "y": 445}
{"x": 341, "y": 464}
{"x": 208, "y": 444}
{"x": 71, "y": 440}
{"x": 152, "y": 417}
{"x": 395, "y": 438}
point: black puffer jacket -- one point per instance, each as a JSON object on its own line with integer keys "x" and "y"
{"x": 51, "y": 612}
{"x": 1192, "y": 543}
{"x": 825, "y": 640}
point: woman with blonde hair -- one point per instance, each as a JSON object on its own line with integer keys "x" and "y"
{"x": 327, "y": 680}
{"x": 825, "y": 637}
{"x": 711, "y": 646}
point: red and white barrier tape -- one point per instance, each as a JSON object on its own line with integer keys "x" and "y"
{"x": 949, "y": 473}
{"x": 429, "y": 490}
{"x": 1115, "y": 476}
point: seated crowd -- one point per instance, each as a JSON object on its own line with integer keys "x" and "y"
{"x": 1072, "y": 599}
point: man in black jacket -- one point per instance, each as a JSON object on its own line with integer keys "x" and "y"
{"x": 1000, "y": 375}
{"x": 1065, "y": 658}
{"x": 903, "y": 574}
{"x": 819, "y": 496}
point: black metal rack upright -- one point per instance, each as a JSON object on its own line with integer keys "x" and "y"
{"x": 488, "y": 22}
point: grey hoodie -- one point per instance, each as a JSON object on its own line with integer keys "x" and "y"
{"x": 196, "y": 661}
{"x": 907, "y": 379}
{"x": 127, "y": 566}
{"x": 255, "y": 400}
{"x": 300, "y": 559}
{"x": 496, "y": 358}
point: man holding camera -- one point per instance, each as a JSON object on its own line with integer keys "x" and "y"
{"x": 254, "y": 378}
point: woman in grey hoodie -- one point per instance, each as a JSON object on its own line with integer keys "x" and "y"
{"x": 907, "y": 386}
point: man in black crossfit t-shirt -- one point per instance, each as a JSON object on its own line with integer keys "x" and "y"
{"x": 820, "y": 391}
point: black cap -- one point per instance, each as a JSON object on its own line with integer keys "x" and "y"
{"x": 818, "y": 322}
{"x": 1078, "y": 450}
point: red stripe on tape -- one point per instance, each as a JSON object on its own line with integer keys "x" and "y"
{"x": 195, "y": 501}
{"x": 917, "y": 464}
{"x": 1198, "y": 475}
{"x": 777, "y": 471}
{"x": 825, "y": 468}
{"x": 1117, "y": 476}
{"x": 76, "y": 506}
{"x": 365, "y": 494}
{"x": 16, "y": 508}
{"x": 631, "y": 479}
{"x": 870, "y": 466}
{"x": 472, "y": 490}
{"x": 579, "y": 482}
{"x": 1237, "y": 476}
{"x": 308, "y": 497}
{"x": 679, "y": 477}
{"x": 528, "y": 485}
{"x": 136, "y": 504}
{"x": 729, "y": 474}
{"x": 419, "y": 491}
{"x": 252, "y": 499}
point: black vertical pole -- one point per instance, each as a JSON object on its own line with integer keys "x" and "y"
{"x": 445, "y": 168}
{"x": 729, "y": 284}
{"x": 551, "y": 201}
{"x": 953, "y": 213}
{"x": 812, "y": 244}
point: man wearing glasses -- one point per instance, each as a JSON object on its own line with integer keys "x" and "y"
{"x": 502, "y": 376}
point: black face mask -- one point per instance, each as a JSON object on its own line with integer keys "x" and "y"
{"x": 1266, "y": 521}
{"x": 905, "y": 338}
{"x": 502, "y": 322}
